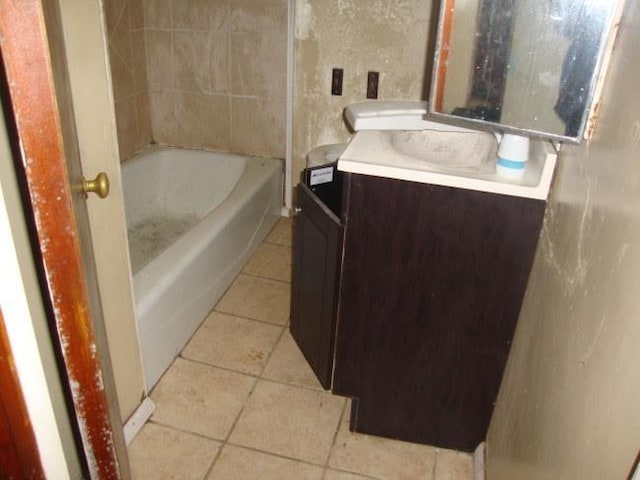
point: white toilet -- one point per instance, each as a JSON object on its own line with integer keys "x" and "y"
{"x": 374, "y": 115}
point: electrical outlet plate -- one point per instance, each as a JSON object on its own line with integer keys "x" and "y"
{"x": 337, "y": 75}
{"x": 372, "y": 84}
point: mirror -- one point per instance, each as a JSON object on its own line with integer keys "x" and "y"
{"x": 522, "y": 65}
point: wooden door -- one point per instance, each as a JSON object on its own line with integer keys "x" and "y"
{"x": 42, "y": 125}
{"x": 316, "y": 269}
{"x": 18, "y": 451}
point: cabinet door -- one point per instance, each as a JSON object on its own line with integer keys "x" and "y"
{"x": 316, "y": 271}
{"x": 431, "y": 287}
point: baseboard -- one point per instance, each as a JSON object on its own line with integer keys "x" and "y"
{"x": 138, "y": 419}
{"x": 478, "y": 462}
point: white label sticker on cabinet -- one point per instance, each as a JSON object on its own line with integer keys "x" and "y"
{"x": 321, "y": 175}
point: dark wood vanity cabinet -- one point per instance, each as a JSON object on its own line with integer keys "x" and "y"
{"x": 317, "y": 239}
{"x": 431, "y": 284}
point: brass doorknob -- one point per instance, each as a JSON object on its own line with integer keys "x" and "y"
{"x": 99, "y": 185}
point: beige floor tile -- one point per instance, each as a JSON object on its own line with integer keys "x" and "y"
{"x": 289, "y": 421}
{"x": 270, "y": 261}
{"x": 282, "y": 233}
{"x": 336, "y": 475}
{"x": 381, "y": 457}
{"x": 160, "y": 452}
{"x": 233, "y": 342}
{"x": 288, "y": 365}
{"x": 237, "y": 463}
{"x": 257, "y": 298}
{"x": 297, "y": 421}
{"x": 200, "y": 398}
{"x": 452, "y": 465}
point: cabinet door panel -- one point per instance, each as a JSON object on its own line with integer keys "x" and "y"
{"x": 432, "y": 282}
{"x": 316, "y": 270}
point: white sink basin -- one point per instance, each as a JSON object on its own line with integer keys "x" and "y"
{"x": 457, "y": 150}
{"x": 447, "y": 156}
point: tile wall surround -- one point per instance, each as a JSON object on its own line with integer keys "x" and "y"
{"x": 199, "y": 73}
{"x": 125, "y": 31}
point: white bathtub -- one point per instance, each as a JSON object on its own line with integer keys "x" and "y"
{"x": 194, "y": 218}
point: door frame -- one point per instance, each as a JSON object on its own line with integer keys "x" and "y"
{"x": 28, "y": 66}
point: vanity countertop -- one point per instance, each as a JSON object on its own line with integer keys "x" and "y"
{"x": 371, "y": 153}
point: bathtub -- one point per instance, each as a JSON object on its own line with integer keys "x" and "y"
{"x": 194, "y": 218}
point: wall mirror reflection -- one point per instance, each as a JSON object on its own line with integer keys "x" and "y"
{"x": 525, "y": 65}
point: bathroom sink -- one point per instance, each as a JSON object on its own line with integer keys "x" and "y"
{"x": 465, "y": 151}
{"x": 448, "y": 156}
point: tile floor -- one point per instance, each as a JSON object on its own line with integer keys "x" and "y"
{"x": 241, "y": 403}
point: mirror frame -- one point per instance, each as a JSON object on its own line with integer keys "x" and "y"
{"x": 441, "y": 54}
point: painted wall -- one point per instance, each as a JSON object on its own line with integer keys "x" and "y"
{"x": 216, "y": 73}
{"x": 568, "y": 405}
{"x": 127, "y": 57}
{"x": 387, "y": 36}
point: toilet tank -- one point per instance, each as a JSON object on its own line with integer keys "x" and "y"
{"x": 387, "y": 115}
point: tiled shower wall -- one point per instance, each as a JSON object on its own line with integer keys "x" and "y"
{"x": 125, "y": 29}
{"x": 215, "y": 74}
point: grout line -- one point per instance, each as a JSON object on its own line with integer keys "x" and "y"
{"x": 435, "y": 464}
{"x": 357, "y": 474}
{"x": 240, "y": 317}
{"x": 233, "y": 426}
{"x": 267, "y": 242}
{"x": 220, "y": 367}
{"x": 278, "y": 244}
{"x": 296, "y": 385}
{"x": 335, "y": 437}
{"x": 275, "y": 346}
{"x": 214, "y": 460}
{"x": 230, "y": 63}
{"x": 264, "y": 452}
{"x": 182, "y": 430}
{"x": 256, "y": 319}
{"x": 288, "y": 282}
{"x": 242, "y": 408}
